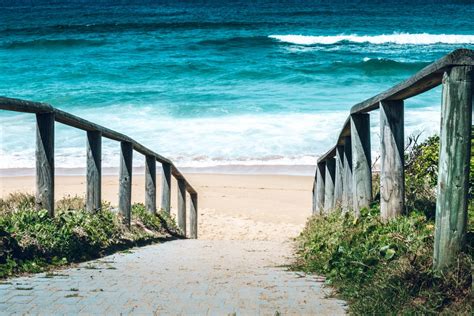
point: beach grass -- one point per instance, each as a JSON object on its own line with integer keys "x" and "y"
{"x": 31, "y": 241}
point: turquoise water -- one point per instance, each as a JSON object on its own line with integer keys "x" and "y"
{"x": 216, "y": 83}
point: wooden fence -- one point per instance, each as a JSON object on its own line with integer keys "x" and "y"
{"x": 46, "y": 116}
{"x": 344, "y": 176}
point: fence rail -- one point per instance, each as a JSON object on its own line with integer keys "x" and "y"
{"x": 343, "y": 174}
{"x": 47, "y": 115}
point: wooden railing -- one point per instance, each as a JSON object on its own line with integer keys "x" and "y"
{"x": 46, "y": 115}
{"x": 344, "y": 176}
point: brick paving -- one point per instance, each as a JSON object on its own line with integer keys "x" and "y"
{"x": 181, "y": 277}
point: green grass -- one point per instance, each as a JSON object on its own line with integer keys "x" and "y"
{"x": 386, "y": 268}
{"x": 30, "y": 241}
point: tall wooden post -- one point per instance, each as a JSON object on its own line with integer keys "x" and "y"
{"x": 45, "y": 162}
{"x": 315, "y": 196}
{"x": 347, "y": 203}
{"x": 166, "y": 187}
{"x": 125, "y": 181}
{"x": 150, "y": 184}
{"x": 320, "y": 186}
{"x": 182, "y": 205}
{"x": 329, "y": 185}
{"x": 193, "y": 217}
{"x": 94, "y": 170}
{"x": 453, "y": 173}
{"x": 339, "y": 176}
{"x": 361, "y": 162}
{"x": 392, "y": 176}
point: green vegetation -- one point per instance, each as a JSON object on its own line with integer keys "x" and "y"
{"x": 30, "y": 241}
{"x": 387, "y": 268}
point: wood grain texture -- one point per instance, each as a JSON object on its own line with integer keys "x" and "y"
{"x": 361, "y": 162}
{"x": 347, "y": 203}
{"x": 392, "y": 175}
{"x": 166, "y": 187}
{"x": 45, "y": 162}
{"x": 94, "y": 171}
{"x": 320, "y": 187}
{"x": 182, "y": 205}
{"x": 329, "y": 185}
{"x": 339, "y": 175}
{"x": 193, "y": 217}
{"x": 150, "y": 184}
{"x": 125, "y": 181}
{"x": 453, "y": 172}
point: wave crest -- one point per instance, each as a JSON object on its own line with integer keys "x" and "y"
{"x": 52, "y": 43}
{"x": 396, "y": 38}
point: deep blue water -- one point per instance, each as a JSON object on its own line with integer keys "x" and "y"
{"x": 215, "y": 82}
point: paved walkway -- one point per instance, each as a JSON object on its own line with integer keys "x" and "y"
{"x": 183, "y": 277}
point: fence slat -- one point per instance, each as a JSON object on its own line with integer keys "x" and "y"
{"x": 125, "y": 181}
{"x": 45, "y": 162}
{"x": 347, "y": 203}
{"x": 392, "y": 175}
{"x": 166, "y": 187}
{"x": 329, "y": 185}
{"x": 453, "y": 173}
{"x": 193, "y": 217}
{"x": 361, "y": 162}
{"x": 320, "y": 186}
{"x": 339, "y": 175}
{"x": 150, "y": 183}
{"x": 182, "y": 205}
{"x": 94, "y": 170}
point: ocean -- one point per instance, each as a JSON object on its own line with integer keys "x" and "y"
{"x": 217, "y": 83}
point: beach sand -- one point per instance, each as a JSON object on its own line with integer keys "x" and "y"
{"x": 231, "y": 207}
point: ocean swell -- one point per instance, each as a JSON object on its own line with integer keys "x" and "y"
{"x": 396, "y": 38}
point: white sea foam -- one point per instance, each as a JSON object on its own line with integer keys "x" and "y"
{"x": 396, "y": 38}
{"x": 239, "y": 140}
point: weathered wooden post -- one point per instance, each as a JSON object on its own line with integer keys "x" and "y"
{"x": 329, "y": 185}
{"x": 361, "y": 162}
{"x": 125, "y": 181}
{"x": 339, "y": 175}
{"x": 392, "y": 176}
{"x": 453, "y": 173}
{"x": 150, "y": 184}
{"x": 193, "y": 217}
{"x": 315, "y": 196}
{"x": 166, "y": 187}
{"x": 94, "y": 170}
{"x": 347, "y": 203}
{"x": 320, "y": 186}
{"x": 45, "y": 162}
{"x": 182, "y": 205}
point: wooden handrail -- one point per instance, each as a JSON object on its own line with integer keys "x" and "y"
{"x": 455, "y": 72}
{"x": 47, "y": 115}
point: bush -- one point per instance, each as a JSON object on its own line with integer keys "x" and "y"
{"x": 387, "y": 268}
{"x": 30, "y": 240}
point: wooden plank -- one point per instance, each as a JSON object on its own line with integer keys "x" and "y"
{"x": 453, "y": 173}
{"x": 339, "y": 174}
{"x": 182, "y": 206}
{"x": 347, "y": 202}
{"x": 94, "y": 171}
{"x": 361, "y": 162}
{"x": 166, "y": 187}
{"x": 45, "y": 162}
{"x": 392, "y": 175}
{"x": 320, "y": 187}
{"x": 125, "y": 181}
{"x": 193, "y": 217}
{"x": 329, "y": 185}
{"x": 18, "y": 105}
{"x": 150, "y": 184}
{"x": 314, "y": 194}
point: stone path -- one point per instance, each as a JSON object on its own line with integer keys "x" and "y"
{"x": 182, "y": 277}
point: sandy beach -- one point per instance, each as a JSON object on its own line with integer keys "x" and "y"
{"x": 231, "y": 207}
